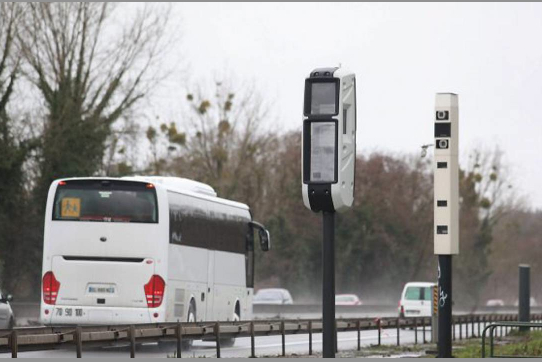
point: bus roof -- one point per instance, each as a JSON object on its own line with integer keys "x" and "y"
{"x": 173, "y": 184}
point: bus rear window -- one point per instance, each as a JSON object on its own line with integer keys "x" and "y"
{"x": 105, "y": 201}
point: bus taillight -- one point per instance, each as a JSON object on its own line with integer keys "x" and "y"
{"x": 154, "y": 291}
{"x": 50, "y": 287}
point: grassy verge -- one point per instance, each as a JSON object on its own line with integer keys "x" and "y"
{"x": 516, "y": 344}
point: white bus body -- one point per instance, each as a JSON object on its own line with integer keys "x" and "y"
{"x": 116, "y": 254}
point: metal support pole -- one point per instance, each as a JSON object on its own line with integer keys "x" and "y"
{"x": 415, "y": 331}
{"x": 14, "y": 344}
{"x": 310, "y": 338}
{"x": 253, "y": 341}
{"x": 358, "y": 327}
{"x": 491, "y": 341}
{"x": 336, "y": 334}
{"x": 131, "y": 334}
{"x": 454, "y": 322}
{"x": 398, "y": 323}
{"x": 423, "y": 329}
{"x": 379, "y": 322}
{"x": 283, "y": 335}
{"x": 445, "y": 306}
{"x": 78, "y": 342}
{"x": 524, "y": 296}
{"x": 179, "y": 334}
{"x": 217, "y": 336}
{"x": 328, "y": 292}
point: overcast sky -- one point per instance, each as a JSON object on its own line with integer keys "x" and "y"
{"x": 402, "y": 54}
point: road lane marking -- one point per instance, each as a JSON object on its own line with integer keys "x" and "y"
{"x": 388, "y": 336}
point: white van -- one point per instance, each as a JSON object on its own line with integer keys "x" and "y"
{"x": 416, "y": 300}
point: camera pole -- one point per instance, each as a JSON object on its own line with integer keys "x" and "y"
{"x": 446, "y": 210}
{"x": 445, "y": 306}
{"x": 328, "y": 170}
{"x": 328, "y": 292}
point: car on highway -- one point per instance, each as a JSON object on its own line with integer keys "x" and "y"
{"x": 7, "y": 319}
{"x": 273, "y": 296}
{"x": 416, "y": 300}
{"x": 347, "y": 299}
{"x": 495, "y": 303}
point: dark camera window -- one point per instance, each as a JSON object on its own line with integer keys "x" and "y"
{"x": 323, "y": 97}
{"x": 442, "y": 164}
{"x": 442, "y": 229}
{"x": 442, "y": 144}
{"x": 442, "y": 115}
{"x": 443, "y": 129}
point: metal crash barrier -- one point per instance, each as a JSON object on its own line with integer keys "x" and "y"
{"x": 45, "y": 338}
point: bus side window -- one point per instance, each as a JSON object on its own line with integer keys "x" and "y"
{"x": 249, "y": 257}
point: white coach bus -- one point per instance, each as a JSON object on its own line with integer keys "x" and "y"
{"x": 146, "y": 250}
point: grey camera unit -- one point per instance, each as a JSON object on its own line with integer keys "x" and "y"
{"x": 329, "y": 140}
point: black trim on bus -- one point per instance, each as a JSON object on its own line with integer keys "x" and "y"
{"x": 101, "y": 258}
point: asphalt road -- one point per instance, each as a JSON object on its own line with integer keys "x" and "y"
{"x": 265, "y": 346}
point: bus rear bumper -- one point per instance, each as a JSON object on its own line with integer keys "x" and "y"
{"x": 85, "y": 315}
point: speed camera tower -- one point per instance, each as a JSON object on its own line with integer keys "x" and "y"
{"x": 329, "y": 160}
{"x": 446, "y": 208}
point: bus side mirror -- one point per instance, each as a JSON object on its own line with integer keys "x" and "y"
{"x": 265, "y": 239}
{"x": 263, "y": 234}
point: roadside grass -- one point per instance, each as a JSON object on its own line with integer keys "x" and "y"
{"x": 389, "y": 350}
{"x": 515, "y": 344}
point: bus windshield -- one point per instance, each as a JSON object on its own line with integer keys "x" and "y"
{"x": 105, "y": 201}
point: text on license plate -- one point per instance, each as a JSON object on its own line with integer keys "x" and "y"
{"x": 101, "y": 290}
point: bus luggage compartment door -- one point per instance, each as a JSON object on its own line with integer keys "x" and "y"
{"x": 102, "y": 282}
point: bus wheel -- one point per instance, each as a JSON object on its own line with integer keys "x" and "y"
{"x": 190, "y": 318}
{"x": 229, "y": 342}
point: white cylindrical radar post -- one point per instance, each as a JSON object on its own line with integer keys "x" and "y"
{"x": 446, "y": 187}
{"x": 329, "y": 140}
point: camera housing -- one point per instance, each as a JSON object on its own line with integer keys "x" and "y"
{"x": 329, "y": 140}
{"x": 442, "y": 144}
{"x": 446, "y": 174}
{"x": 442, "y": 115}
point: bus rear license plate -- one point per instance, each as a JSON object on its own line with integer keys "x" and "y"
{"x": 101, "y": 289}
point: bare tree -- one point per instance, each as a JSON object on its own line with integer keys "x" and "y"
{"x": 89, "y": 74}
{"x": 9, "y": 62}
{"x": 226, "y": 144}
{"x": 486, "y": 197}
{"x": 14, "y": 151}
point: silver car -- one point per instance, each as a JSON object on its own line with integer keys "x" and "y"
{"x": 272, "y": 296}
{"x": 7, "y": 319}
